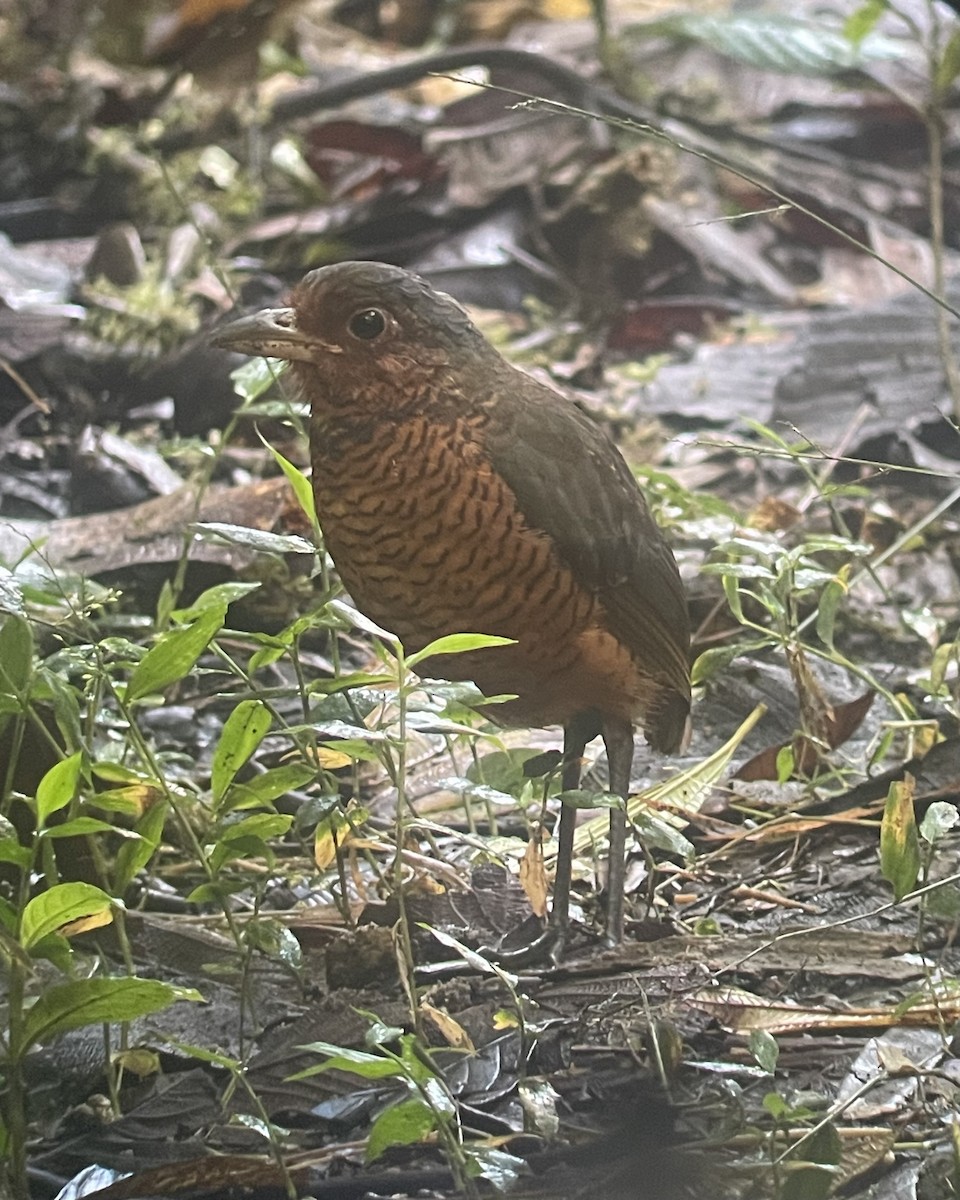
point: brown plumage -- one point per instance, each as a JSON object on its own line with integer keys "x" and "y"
{"x": 459, "y": 495}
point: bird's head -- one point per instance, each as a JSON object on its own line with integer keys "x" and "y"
{"x": 367, "y": 338}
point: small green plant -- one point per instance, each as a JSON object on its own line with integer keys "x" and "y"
{"x": 38, "y": 928}
{"x": 424, "y": 1106}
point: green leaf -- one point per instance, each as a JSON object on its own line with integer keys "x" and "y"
{"x": 63, "y": 903}
{"x": 174, "y": 655}
{"x": 302, "y": 488}
{"x": 275, "y": 939}
{"x": 823, "y": 1145}
{"x": 899, "y": 845}
{"x": 712, "y": 663}
{"x": 764, "y": 1048}
{"x": 260, "y": 825}
{"x": 251, "y": 379}
{"x": 134, "y": 855}
{"x": 458, "y": 643}
{"x": 270, "y": 786}
{"x": 356, "y": 1062}
{"x": 776, "y": 1106}
{"x": 731, "y": 589}
{"x": 402, "y": 1124}
{"x": 93, "y": 1001}
{"x": 16, "y": 655}
{"x": 786, "y": 763}
{"x": 831, "y": 598}
{"x": 64, "y": 699}
{"x": 12, "y": 852}
{"x": 81, "y": 826}
{"x": 863, "y": 20}
{"x": 260, "y": 540}
{"x": 221, "y": 595}
{"x": 949, "y": 65}
{"x": 243, "y": 731}
{"x": 58, "y": 787}
{"x": 473, "y": 959}
{"x": 806, "y": 1181}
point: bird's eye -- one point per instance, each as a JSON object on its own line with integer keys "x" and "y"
{"x": 367, "y": 324}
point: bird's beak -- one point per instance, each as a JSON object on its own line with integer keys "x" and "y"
{"x": 271, "y": 332}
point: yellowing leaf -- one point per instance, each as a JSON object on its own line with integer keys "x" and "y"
{"x": 453, "y": 1033}
{"x": 332, "y": 760}
{"x": 84, "y": 924}
{"x": 533, "y": 876}
{"x": 899, "y": 843}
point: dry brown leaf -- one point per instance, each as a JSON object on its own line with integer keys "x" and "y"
{"x": 533, "y": 875}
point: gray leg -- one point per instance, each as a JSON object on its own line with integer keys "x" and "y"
{"x": 575, "y": 737}
{"x": 618, "y": 739}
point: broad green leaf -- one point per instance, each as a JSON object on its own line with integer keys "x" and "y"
{"x": 260, "y": 540}
{"x": 731, "y": 589}
{"x": 259, "y": 825}
{"x": 899, "y": 844}
{"x": 458, "y": 643}
{"x": 131, "y": 801}
{"x": 251, "y": 379}
{"x": 275, "y": 939}
{"x": 58, "y": 787}
{"x": 134, "y": 855}
{"x": 270, "y": 786}
{"x": 302, "y": 488}
{"x": 712, "y": 663}
{"x": 831, "y": 598}
{"x": 400, "y": 1125}
{"x": 657, "y": 833}
{"x": 949, "y": 66}
{"x": 65, "y": 702}
{"x": 16, "y": 655}
{"x": 93, "y": 1001}
{"x": 174, "y": 655}
{"x": 219, "y": 596}
{"x": 356, "y": 1062}
{"x": 12, "y": 852}
{"x": 473, "y": 959}
{"x": 863, "y": 20}
{"x": 786, "y": 763}
{"x": 764, "y": 1048}
{"x": 62, "y": 904}
{"x": 806, "y": 1181}
{"x": 81, "y": 826}
{"x": 823, "y": 1145}
{"x": 345, "y": 612}
{"x": 243, "y": 731}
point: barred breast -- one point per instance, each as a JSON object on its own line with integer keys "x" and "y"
{"x": 429, "y": 540}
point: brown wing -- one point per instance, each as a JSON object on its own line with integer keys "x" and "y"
{"x": 571, "y": 482}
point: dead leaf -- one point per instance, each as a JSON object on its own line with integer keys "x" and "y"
{"x": 533, "y": 874}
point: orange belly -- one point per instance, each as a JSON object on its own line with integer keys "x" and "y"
{"x": 429, "y": 541}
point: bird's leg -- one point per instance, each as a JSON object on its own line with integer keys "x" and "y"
{"x": 618, "y": 739}
{"x": 576, "y": 734}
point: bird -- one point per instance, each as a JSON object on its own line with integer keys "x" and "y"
{"x": 458, "y": 494}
